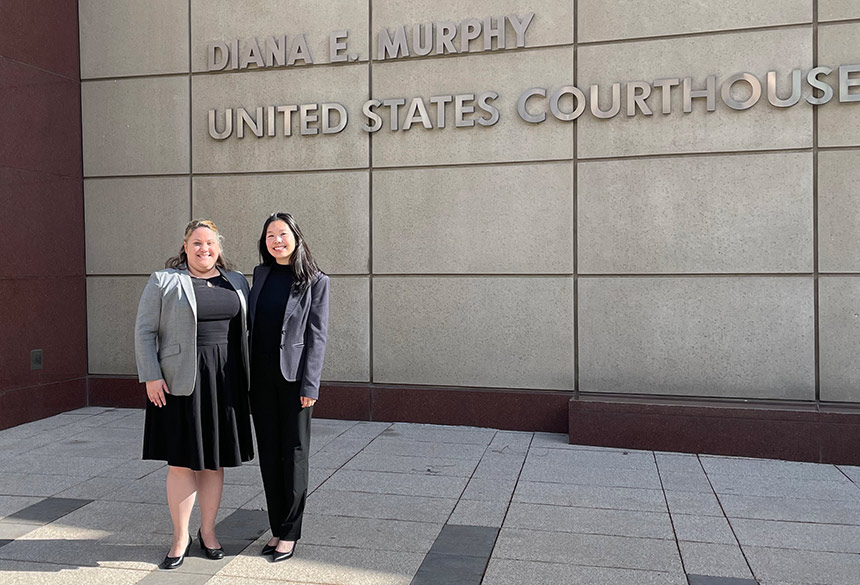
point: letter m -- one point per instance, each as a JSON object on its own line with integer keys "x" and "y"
{"x": 389, "y": 49}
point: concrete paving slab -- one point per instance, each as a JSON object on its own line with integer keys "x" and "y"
{"x": 499, "y": 466}
{"x": 242, "y": 525}
{"x": 397, "y": 483}
{"x": 681, "y": 481}
{"x": 83, "y": 552}
{"x": 323, "y": 564}
{"x": 678, "y": 462}
{"x": 435, "y": 466}
{"x": 439, "y": 434}
{"x": 95, "y": 488}
{"x": 794, "y": 566}
{"x": 807, "y": 509}
{"x": 648, "y": 554}
{"x": 369, "y": 533}
{"x": 713, "y": 529}
{"x": 785, "y": 488}
{"x": 381, "y": 506}
{"x": 551, "y": 441}
{"x": 387, "y": 446}
{"x": 46, "y": 511}
{"x": 11, "y": 504}
{"x": 718, "y": 560}
{"x": 134, "y": 469}
{"x": 12, "y": 530}
{"x": 769, "y": 468}
{"x": 479, "y": 513}
{"x": 32, "y": 484}
{"x": 587, "y": 496}
{"x": 336, "y": 454}
{"x": 696, "y": 503}
{"x": 365, "y": 429}
{"x": 589, "y": 521}
{"x": 248, "y": 475}
{"x": 81, "y": 446}
{"x": 511, "y": 442}
{"x": 513, "y": 572}
{"x": 576, "y": 458}
{"x": 851, "y": 471}
{"x": 27, "y": 573}
{"x": 45, "y": 464}
{"x": 489, "y": 490}
{"x": 796, "y": 535}
{"x": 635, "y": 478}
{"x": 174, "y": 577}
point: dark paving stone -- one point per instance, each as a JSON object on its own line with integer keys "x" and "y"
{"x": 46, "y": 511}
{"x": 445, "y": 569}
{"x": 243, "y": 525}
{"x": 5, "y": 541}
{"x": 459, "y": 556}
{"x": 465, "y": 541}
{"x": 708, "y": 580}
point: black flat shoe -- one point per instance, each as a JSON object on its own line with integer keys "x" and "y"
{"x": 283, "y": 556}
{"x": 268, "y": 549}
{"x": 175, "y": 562}
{"x": 216, "y": 554}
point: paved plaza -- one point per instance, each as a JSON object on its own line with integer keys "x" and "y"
{"x": 396, "y": 503}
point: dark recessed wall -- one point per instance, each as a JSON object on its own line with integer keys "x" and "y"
{"x": 42, "y": 282}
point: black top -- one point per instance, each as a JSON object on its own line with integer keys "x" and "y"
{"x": 217, "y": 305}
{"x": 271, "y": 305}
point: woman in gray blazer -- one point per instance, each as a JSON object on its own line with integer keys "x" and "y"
{"x": 289, "y": 325}
{"x": 191, "y": 345}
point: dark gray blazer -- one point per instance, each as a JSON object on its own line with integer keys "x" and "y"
{"x": 304, "y": 331}
{"x": 165, "y": 332}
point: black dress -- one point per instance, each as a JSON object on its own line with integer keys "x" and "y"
{"x": 211, "y": 428}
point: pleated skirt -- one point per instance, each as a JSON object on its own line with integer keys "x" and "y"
{"x": 209, "y": 429}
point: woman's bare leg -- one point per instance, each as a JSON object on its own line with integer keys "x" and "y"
{"x": 210, "y": 485}
{"x": 181, "y": 489}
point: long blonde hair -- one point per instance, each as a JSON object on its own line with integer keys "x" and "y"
{"x": 181, "y": 259}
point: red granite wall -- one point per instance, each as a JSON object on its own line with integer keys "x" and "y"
{"x": 42, "y": 282}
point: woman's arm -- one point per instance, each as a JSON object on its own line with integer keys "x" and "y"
{"x": 146, "y": 332}
{"x": 315, "y": 338}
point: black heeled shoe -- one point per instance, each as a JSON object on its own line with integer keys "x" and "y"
{"x": 175, "y": 562}
{"x": 216, "y": 554}
{"x": 283, "y": 556}
{"x": 268, "y": 549}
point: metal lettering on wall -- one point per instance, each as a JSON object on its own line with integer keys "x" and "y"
{"x": 474, "y": 109}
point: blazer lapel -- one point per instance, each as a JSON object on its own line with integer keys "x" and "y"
{"x": 185, "y": 281}
{"x": 292, "y": 303}
{"x": 260, "y": 275}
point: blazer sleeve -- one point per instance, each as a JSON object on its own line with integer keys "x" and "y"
{"x": 146, "y": 332}
{"x": 315, "y": 338}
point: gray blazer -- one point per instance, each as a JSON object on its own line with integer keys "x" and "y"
{"x": 165, "y": 333}
{"x": 304, "y": 331}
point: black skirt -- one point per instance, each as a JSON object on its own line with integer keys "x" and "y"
{"x": 209, "y": 429}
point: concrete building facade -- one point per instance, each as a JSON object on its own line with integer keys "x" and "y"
{"x": 567, "y": 215}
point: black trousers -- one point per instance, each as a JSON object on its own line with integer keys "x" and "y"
{"x": 283, "y": 430}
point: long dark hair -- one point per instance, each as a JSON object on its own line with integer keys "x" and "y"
{"x": 181, "y": 259}
{"x": 304, "y": 266}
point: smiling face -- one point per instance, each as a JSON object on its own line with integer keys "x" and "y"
{"x": 280, "y": 241}
{"x": 202, "y": 249}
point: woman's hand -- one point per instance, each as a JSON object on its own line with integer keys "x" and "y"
{"x": 155, "y": 391}
{"x": 307, "y": 402}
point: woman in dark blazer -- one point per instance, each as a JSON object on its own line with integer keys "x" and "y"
{"x": 191, "y": 347}
{"x": 289, "y": 324}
